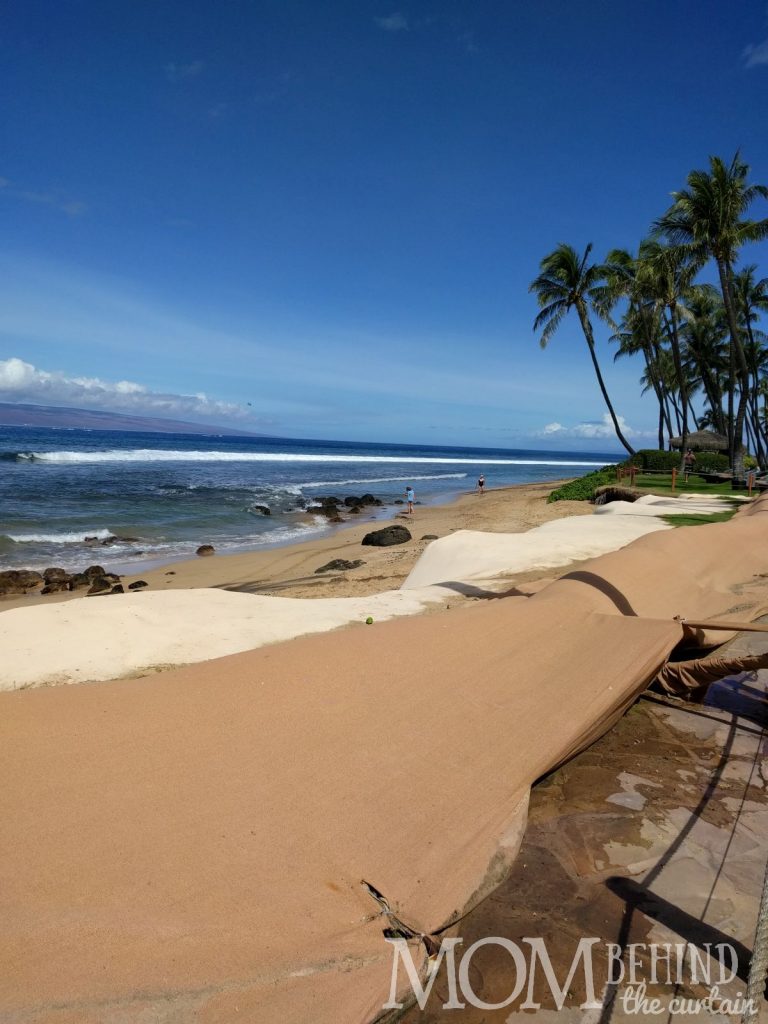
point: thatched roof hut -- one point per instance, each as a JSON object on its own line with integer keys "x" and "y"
{"x": 702, "y": 441}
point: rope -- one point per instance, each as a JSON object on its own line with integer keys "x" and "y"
{"x": 758, "y": 967}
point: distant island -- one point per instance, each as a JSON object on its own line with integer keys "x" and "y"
{"x": 14, "y": 414}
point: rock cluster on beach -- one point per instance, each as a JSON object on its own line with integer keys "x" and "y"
{"x": 340, "y": 565}
{"x": 330, "y": 506}
{"x": 56, "y": 580}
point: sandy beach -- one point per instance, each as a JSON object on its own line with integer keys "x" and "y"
{"x": 215, "y": 606}
{"x": 289, "y": 570}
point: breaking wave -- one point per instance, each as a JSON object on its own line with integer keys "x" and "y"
{"x": 163, "y": 455}
{"x": 298, "y": 488}
{"x": 57, "y": 538}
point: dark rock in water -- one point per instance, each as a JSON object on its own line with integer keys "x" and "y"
{"x": 138, "y": 585}
{"x": 78, "y": 580}
{"x": 429, "y": 536}
{"x": 368, "y": 499}
{"x": 99, "y": 585}
{"x": 387, "y": 537}
{"x": 19, "y": 581}
{"x": 335, "y": 519}
{"x": 355, "y": 510}
{"x": 56, "y": 587}
{"x": 399, "y": 501}
{"x": 264, "y": 509}
{"x": 94, "y": 570}
{"x": 328, "y": 500}
{"x": 109, "y": 541}
{"x": 352, "y": 502}
{"x": 329, "y": 511}
{"x": 119, "y": 589}
{"x": 112, "y": 577}
{"x": 340, "y": 564}
{"x": 91, "y": 540}
{"x": 205, "y": 549}
{"x": 169, "y": 572}
{"x": 56, "y": 575}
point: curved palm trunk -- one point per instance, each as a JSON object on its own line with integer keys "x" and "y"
{"x": 663, "y": 389}
{"x": 667, "y": 416}
{"x": 738, "y": 364}
{"x": 681, "y": 382}
{"x": 676, "y": 411}
{"x": 652, "y": 376}
{"x": 714, "y": 396}
{"x": 586, "y": 327}
{"x": 649, "y": 354}
{"x": 757, "y": 430}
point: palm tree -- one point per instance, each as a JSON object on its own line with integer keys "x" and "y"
{"x": 705, "y": 333}
{"x": 708, "y": 216}
{"x": 751, "y": 297}
{"x": 566, "y": 282}
{"x": 639, "y": 329}
{"x": 665, "y": 273}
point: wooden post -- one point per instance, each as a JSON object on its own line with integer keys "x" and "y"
{"x": 750, "y": 482}
{"x": 674, "y": 480}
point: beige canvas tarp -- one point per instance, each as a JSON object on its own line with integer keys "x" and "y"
{"x": 190, "y": 846}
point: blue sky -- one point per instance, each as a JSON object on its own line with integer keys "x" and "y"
{"x": 333, "y": 210}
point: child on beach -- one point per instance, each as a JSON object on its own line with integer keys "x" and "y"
{"x": 481, "y": 483}
{"x": 409, "y": 496}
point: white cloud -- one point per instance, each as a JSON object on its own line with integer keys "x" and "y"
{"x": 178, "y": 72}
{"x": 23, "y": 382}
{"x": 592, "y": 430}
{"x": 395, "y": 22}
{"x": 755, "y": 55}
{"x": 52, "y": 197}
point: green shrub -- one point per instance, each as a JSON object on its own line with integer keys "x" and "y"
{"x": 583, "y": 489}
{"x": 711, "y": 462}
{"x": 750, "y": 462}
{"x": 654, "y": 459}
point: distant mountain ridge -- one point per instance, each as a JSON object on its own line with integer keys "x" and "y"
{"x": 13, "y": 414}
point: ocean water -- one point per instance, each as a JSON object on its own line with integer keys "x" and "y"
{"x": 172, "y": 492}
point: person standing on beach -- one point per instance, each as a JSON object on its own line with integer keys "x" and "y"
{"x": 689, "y": 462}
{"x": 409, "y": 496}
{"x": 481, "y": 484}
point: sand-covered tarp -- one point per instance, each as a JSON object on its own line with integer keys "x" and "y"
{"x": 190, "y": 846}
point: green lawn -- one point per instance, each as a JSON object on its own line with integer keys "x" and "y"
{"x": 661, "y": 483}
{"x": 699, "y": 520}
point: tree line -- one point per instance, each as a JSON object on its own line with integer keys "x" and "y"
{"x": 697, "y": 340}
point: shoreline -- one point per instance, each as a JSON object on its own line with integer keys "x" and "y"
{"x": 289, "y": 569}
